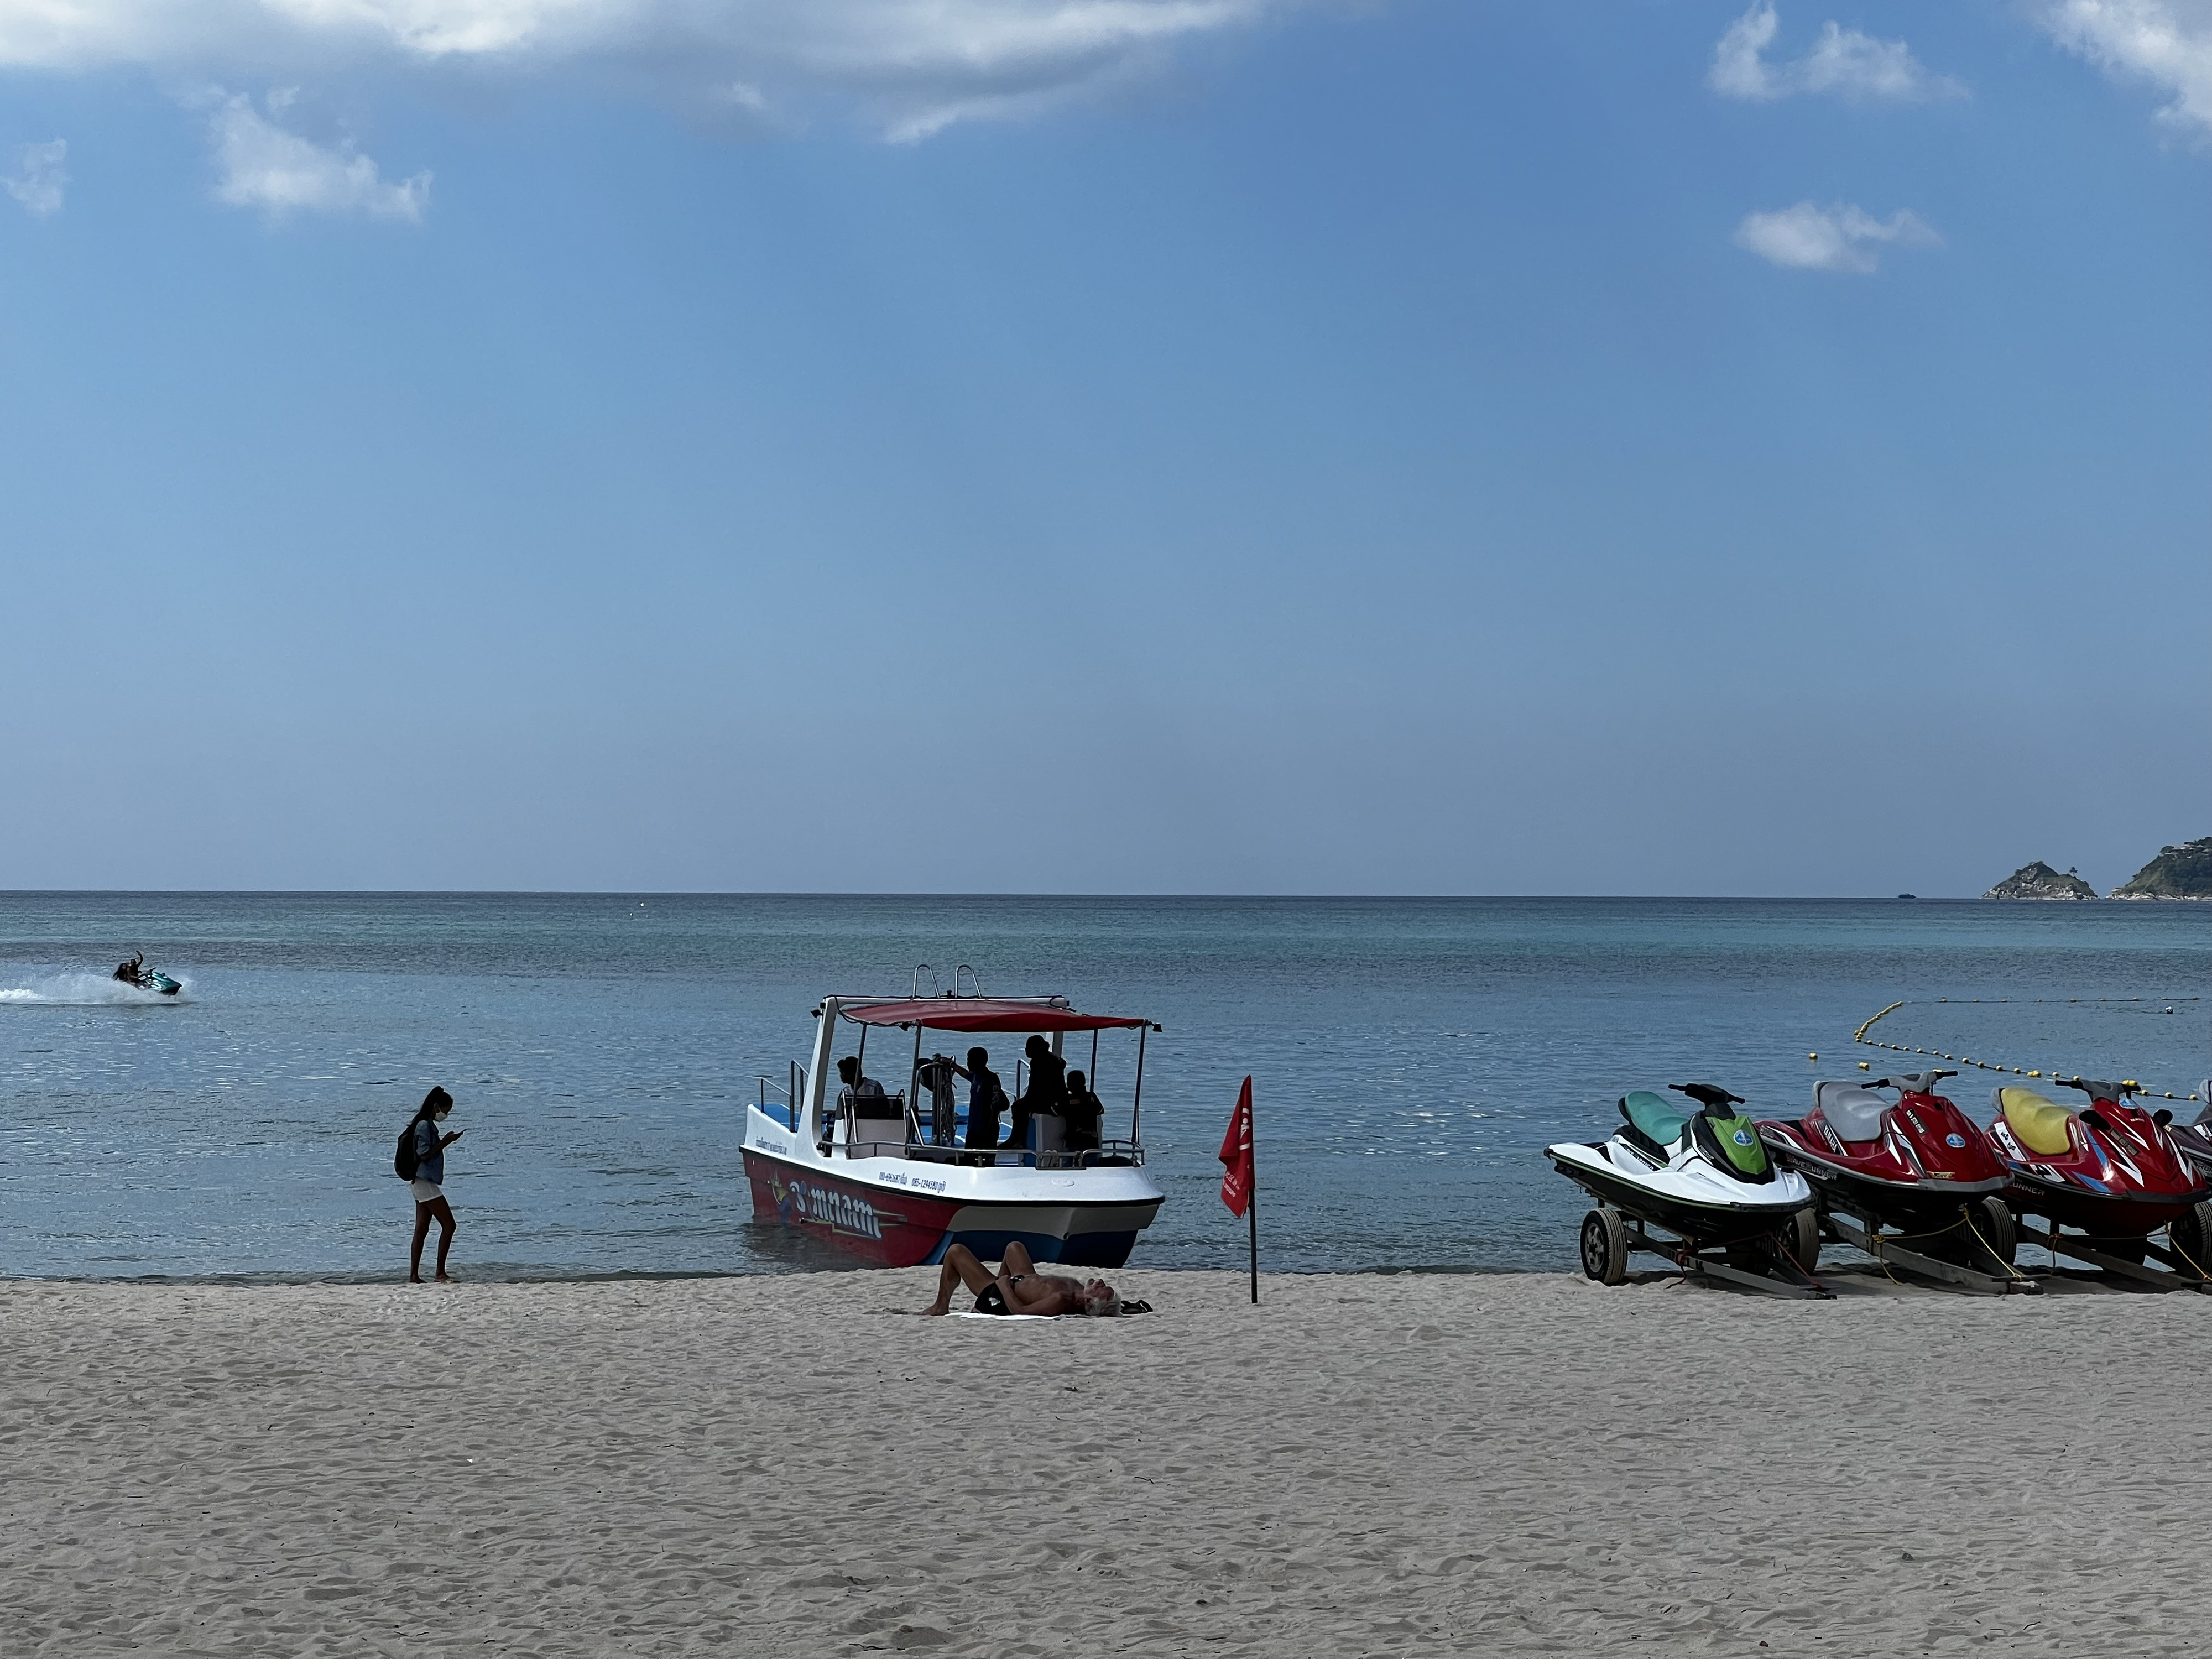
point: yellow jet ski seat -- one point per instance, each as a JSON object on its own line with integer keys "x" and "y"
{"x": 2041, "y": 1125}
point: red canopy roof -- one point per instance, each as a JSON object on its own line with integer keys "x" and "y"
{"x": 983, "y": 1014}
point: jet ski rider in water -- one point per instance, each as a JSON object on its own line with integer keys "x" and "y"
{"x": 133, "y": 972}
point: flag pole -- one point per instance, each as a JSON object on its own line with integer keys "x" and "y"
{"x": 1240, "y": 1183}
{"x": 1252, "y": 1208}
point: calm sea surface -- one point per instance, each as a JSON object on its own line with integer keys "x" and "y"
{"x": 1412, "y": 1057}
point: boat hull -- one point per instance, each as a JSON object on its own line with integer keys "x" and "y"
{"x": 898, "y": 1213}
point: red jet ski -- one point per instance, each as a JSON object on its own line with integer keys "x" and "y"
{"x": 1913, "y": 1164}
{"x": 1916, "y": 1166}
{"x": 2110, "y": 1170}
{"x": 2195, "y": 1139}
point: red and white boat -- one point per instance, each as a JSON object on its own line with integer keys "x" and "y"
{"x": 865, "y": 1177}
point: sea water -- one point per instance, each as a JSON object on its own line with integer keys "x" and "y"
{"x": 1411, "y": 1058}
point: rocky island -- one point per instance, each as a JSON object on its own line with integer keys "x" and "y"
{"x": 2040, "y": 881}
{"x": 2178, "y": 873}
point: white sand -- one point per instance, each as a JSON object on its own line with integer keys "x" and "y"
{"x": 1363, "y": 1466}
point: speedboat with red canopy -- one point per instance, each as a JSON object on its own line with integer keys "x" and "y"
{"x": 864, "y": 1169}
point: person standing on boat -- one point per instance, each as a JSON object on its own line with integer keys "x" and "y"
{"x": 987, "y": 1098}
{"x": 429, "y": 1182}
{"x": 1047, "y": 1090}
{"x": 1084, "y": 1113}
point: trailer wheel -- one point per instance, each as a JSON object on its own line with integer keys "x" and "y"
{"x": 2191, "y": 1235}
{"x": 1604, "y": 1245}
{"x": 2000, "y": 1233}
{"x": 1801, "y": 1236}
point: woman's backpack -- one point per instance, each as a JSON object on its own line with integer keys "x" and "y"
{"x": 402, "y": 1158}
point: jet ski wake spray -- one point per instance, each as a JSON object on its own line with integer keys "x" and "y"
{"x": 2115, "y": 1174}
{"x": 1912, "y": 1182}
{"x": 1705, "y": 1178}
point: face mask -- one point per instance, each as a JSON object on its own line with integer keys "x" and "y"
{"x": 442, "y": 1117}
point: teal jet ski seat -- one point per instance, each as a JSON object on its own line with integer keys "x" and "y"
{"x": 1653, "y": 1116}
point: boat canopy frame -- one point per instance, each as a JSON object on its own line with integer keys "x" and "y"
{"x": 970, "y": 1013}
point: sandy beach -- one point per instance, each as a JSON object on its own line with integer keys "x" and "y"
{"x": 1364, "y": 1465}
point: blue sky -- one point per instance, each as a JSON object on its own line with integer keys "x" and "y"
{"x": 1636, "y": 446}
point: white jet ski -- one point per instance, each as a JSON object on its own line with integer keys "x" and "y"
{"x": 1704, "y": 1176}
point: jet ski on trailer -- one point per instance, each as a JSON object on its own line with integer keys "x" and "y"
{"x": 1912, "y": 1182}
{"x": 2194, "y": 1137}
{"x": 2113, "y": 1173}
{"x": 1704, "y": 1176}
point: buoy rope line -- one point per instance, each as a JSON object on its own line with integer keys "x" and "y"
{"x": 1860, "y": 1035}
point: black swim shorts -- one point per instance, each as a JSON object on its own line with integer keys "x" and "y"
{"x": 992, "y": 1299}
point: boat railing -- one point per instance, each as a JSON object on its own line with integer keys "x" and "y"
{"x": 937, "y": 986}
{"x": 788, "y": 1091}
{"x": 1110, "y": 1154}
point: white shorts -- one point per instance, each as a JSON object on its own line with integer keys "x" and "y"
{"x": 428, "y": 1192}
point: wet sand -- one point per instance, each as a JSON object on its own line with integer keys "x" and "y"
{"x": 1364, "y": 1465}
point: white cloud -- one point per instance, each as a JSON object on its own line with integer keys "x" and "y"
{"x": 2166, "y": 43}
{"x": 265, "y": 166}
{"x": 39, "y": 177}
{"x": 911, "y": 65}
{"x": 1843, "y": 63}
{"x": 1838, "y": 237}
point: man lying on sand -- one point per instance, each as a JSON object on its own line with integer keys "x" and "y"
{"x": 1019, "y": 1288}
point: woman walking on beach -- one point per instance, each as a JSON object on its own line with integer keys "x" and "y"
{"x": 429, "y": 1182}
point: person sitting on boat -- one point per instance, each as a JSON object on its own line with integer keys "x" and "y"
{"x": 1047, "y": 1090}
{"x": 1019, "y": 1288}
{"x": 1084, "y": 1113}
{"x": 861, "y": 1096}
{"x": 134, "y": 971}
{"x": 987, "y": 1098}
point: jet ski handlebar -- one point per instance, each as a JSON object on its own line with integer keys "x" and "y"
{"x": 2096, "y": 1091}
{"x": 1912, "y": 1082}
{"x": 1707, "y": 1095}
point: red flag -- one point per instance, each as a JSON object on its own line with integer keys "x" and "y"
{"x": 1236, "y": 1153}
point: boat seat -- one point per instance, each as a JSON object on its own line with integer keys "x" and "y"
{"x": 2040, "y": 1124}
{"x": 1853, "y": 1110}
{"x": 1654, "y": 1115}
{"x": 876, "y": 1138}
